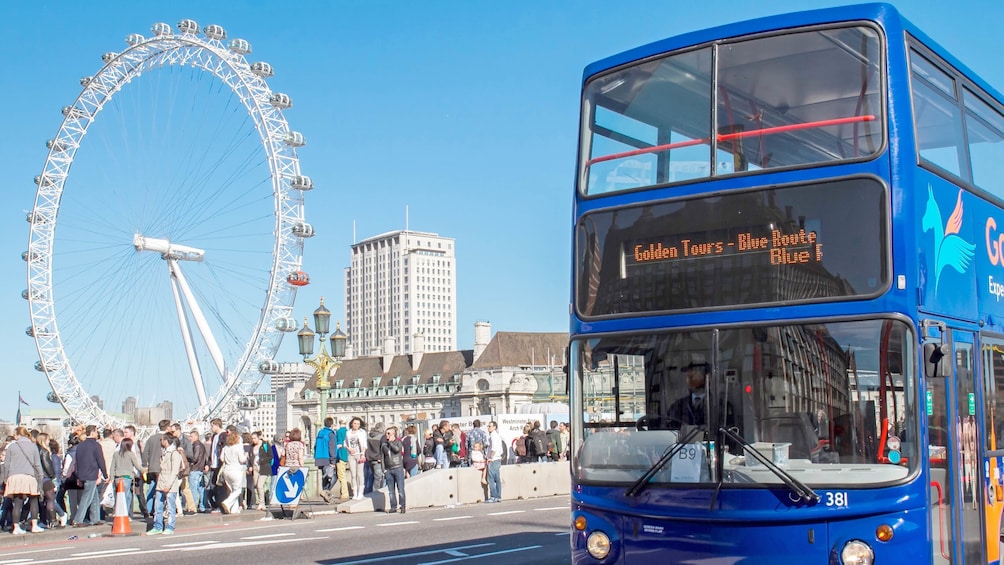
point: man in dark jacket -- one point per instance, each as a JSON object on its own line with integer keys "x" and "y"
{"x": 538, "y": 444}
{"x": 198, "y": 465}
{"x": 374, "y": 458}
{"x": 152, "y": 451}
{"x": 90, "y": 468}
{"x": 188, "y": 451}
{"x": 393, "y": 463}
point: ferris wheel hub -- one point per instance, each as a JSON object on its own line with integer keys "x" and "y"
{"x": 167, "y": 249}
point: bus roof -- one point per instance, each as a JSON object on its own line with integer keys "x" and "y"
{"x": 885, "y": 14}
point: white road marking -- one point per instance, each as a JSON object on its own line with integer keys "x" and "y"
{"x": 229, "y": 545}
{"x": 507, "y": 512}
{"x": 107, "y": 552}
{"x": 342, "y": 529}
{"x": 190, "y": 543}
{"x": 492, "y": 554}
{"x": 451, "y": 518}
{"x": 266, "y": 536}
{"x": 563, "y": 533}
{"x": 384, "y": 559}
{"x": 215, "y": 531}
{"x": 553, "y": 508}
{"x": 397, "y": 523}
{"x": 12, "y": 561}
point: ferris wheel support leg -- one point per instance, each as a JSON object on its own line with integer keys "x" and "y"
{"x": 186, "y": 335}
{"x": 200, "y": 320}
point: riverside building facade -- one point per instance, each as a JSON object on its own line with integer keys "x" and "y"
{"x": 401, "y": 284}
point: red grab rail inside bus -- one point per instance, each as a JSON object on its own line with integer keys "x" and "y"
{"x": 942, "y": 532}
{"x": 731, "y": 136}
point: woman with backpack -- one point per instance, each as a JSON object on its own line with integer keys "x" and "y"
{"x": 126, "y": 466}
{"x": 411, "y": 451}
{"x": 165, "y": 501}
{"x": 428, "y": 452}
{"x": 48, "y": 515}
{"x": 22, "y": 477}
{"x": 70, "y": 485}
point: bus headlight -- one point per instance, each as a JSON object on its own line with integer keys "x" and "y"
{"x": 598, "y": 544}
{"x": 857, "y": 552}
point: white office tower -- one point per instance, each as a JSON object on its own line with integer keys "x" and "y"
{"x": 402, "y": 284}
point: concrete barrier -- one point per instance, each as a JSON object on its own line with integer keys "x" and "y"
{"x": 443, "y": 487}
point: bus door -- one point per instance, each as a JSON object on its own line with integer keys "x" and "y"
{"x": 992, "y": 369}
{"x": 955, "y": 457}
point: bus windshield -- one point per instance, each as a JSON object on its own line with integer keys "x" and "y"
{"x": 830, "y": 403}
{"x": 781, "y": 101}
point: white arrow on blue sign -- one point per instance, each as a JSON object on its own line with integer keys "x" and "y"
{"x": 288, "y": 485}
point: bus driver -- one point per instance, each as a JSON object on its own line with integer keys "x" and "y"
{"x": 691, "y": 409}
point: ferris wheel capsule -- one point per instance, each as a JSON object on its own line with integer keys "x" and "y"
{"x": 73, "y": 112}
{"x": 29, "y": 256}
{"x": 269, "y": 367}
{"x": 188, "y": 26}
{"x": 30, "y": 331}
{"x": 281, "y": 101}
{"x": 85, "y": 81}
{"x": 303, "y": 229}
{"x": 240, "y": 46}
{"x": 247, "y": 403}
{"x": 36, "y": 295}
{"x": 286, "y": 325}
{"x": 299, "y": 278}
{"x": 294, "y": 139}
{"x": 59, "y": 145}
{"x": 134, "y": 39}
{"x": 108, "y": 57}
{"x": 42, "y": 368}
{"x": 215, "y": 31}
{"x": 34, "y": 218}
{"x": 52, "y": 397}
{"x": 262, "y": 69}
{"x": 301, "y": 182}
{"x": 161, "y": 28}
{"x": 43, "y": 181}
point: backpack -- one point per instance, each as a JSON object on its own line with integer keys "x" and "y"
{"x": 519, "y": 446}
{"x": 539, "y": 442}
{"x": 183, "y": 471}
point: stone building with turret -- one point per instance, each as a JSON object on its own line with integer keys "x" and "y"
{"x": 497, "y": 377}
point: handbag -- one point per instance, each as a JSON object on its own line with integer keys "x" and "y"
{"x": 108, "y": 498}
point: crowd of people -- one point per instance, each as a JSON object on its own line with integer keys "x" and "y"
{"x": 170, "y": 473}
{"x": 176, "y": 472}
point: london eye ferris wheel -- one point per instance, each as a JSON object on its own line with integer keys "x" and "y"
{"x": 166, "y": 237}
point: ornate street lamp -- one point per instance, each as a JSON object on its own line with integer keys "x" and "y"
{"x": 323, "y": 363}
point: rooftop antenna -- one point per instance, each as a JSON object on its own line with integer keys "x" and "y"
{"x": 406, "y": 217}
{"x": 354, "y": 232}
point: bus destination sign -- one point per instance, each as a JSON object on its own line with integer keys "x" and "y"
{"x": 778, "y": 248}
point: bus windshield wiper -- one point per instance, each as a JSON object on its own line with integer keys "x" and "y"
{"x": 671, "y": 451}
{"x": 800, "y": 489}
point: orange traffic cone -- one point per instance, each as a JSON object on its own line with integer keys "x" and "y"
{"x": 121, "y": 525}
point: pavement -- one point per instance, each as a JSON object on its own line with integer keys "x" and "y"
{"x": 139, "y": 526}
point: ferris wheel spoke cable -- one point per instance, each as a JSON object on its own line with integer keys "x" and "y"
{"x": 237, "y": 203}
{"x": 205, "y": 202}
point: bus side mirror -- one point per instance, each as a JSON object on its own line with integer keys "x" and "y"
{"x": 937, "y": 359}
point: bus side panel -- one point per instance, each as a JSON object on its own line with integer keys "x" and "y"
{"x": 950, "y": 253}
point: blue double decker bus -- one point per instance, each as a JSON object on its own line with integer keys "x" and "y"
{"x": 787, "y": 333}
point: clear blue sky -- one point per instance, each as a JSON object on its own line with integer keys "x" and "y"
{"x": 465, "y": 112}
